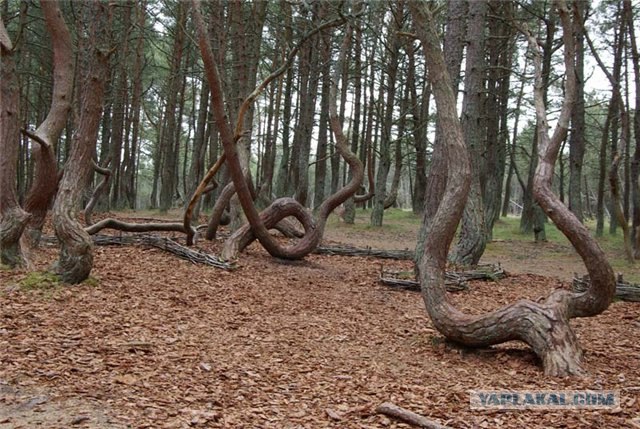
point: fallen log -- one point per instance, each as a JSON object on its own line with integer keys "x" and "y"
{"x": 364, "y": 251}
{"x": 455, "y": 281}
{"x": 625, "y": 291}
{"x": 162, "y": 243}
{"x": 402, "y": 414}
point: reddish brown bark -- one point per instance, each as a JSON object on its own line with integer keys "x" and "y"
{"x": 12, "y": 218}
{"x": 45, "y": 182}
{"x": 76, "y": 253}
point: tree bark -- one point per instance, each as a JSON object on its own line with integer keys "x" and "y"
{"x": 635, "y": 163}
{"x": 437, "y": 178}
{"x": 533, "y": 218}
{"x": 577, "y": 136}
{"x": 167, "y": 141}
{"x": 76, "y": 253}
{"x": 393, "y": 50}
{"x": 13, "y": 219}
{"x": 473, "y": 233}
{"x": 45, "y": 183}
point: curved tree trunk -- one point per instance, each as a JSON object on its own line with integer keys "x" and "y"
{"x": 45, "y": 183}
{"x": 76, "y": 253}
{"x": 543, "y": 325}
{"x": 12, "y": 218}
{"x": 437, "y": 178}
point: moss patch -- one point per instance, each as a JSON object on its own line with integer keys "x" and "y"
{"x": 40, "y": 280}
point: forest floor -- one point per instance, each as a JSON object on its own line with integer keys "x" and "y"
{"x": 152, "y": 341}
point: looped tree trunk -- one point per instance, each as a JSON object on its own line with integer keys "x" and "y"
{"x": 275, "y": 212}
{"x": 542, "y": 325}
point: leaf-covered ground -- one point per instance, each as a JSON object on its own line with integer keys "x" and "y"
{"x": 157, "y": 342}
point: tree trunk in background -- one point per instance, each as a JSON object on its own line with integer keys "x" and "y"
{"x": 247, "y": 21}
{"x": 602, "y": 174}
{"x": 392, "y": 196}
{"x": 129, "y": 185}
{"x": 577, "y": 142}
{"x": 320, "y": 180}
{"x": 281, "y": 188}
{"x": 501, "y": 47}
{"x": 310, "y": 75}
{"x": 13, "y": 219}
{"x": 120, "y": 103}
{"x": 533, "y": 218}
{"x": 614, "y": 126}
{"x": 635, "y": 164}
{"x": 513, "y": 168}
{"x": 199, "y": 145}
{"x": 473, "y": 234}
{"x": 167, "y": 141}
{"x": 76, "y": 253}
{"x": 349, "y": 215}
{"x": 420, "y": 116}
{"x": 393, "y": 52}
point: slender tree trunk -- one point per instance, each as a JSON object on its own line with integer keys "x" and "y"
{"x": 199, "y": 144}
{"x": 384, "y": 165}
{"x": 602, "y": 172}
{"x": 349, "y": 215}
{"x": 420, "y": 115}
{"x": 129, "y": 173}
{"x": 167, "y": 142}
{"x": 323, "y": 125}
{"x": 501, "y": 47}
{"x": 635, "y": 163}
{"x": 513, "y": 168}
{"x": 533, "y": 218}
{"x": 577, "y": 137}
{"x": 120, "y": 102}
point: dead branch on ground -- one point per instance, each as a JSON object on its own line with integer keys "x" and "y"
{"x": 162, "y": 243}
{"x": 404, "y": 415}
{"x": 455, "y": 281}
{"x": 625, "y": 291}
